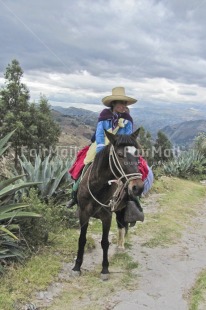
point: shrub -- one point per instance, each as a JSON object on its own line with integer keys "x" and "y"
{"x": 52, "y": 173}
{"x": 54, "y": 218}
{"x": 10, "y": 212}
{"x": 200, "y": 143}
{"x": 189, "y": 163}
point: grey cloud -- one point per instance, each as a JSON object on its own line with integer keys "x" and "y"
{"x": 187, "y": 93}
{"x": 127, "y": 39}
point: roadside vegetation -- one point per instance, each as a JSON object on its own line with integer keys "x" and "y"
{"x": 198, "y": 293}
{"x": 38, "y": 234}
{"x": 177, "y": 205}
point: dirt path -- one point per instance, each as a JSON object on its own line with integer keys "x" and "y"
{"x": 167, "y": 274}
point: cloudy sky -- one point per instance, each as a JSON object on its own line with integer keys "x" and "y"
{"x": 75, "y": 52}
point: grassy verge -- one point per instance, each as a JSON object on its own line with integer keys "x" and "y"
{"x": 176, "y": 208}
{"x": 18, "y": 284}
{"x": 198, "y": 293}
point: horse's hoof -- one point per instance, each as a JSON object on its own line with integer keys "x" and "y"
{"x": 75, "y": 274}
{"x": 104, "y": 276}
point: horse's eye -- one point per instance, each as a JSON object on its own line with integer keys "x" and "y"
{"x": 120, "y": 154}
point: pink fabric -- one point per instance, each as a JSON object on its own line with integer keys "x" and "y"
{"x": 78, "y": 165}
{"x": 143, "y": 168}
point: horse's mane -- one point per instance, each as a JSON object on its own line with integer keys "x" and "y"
{"x": 103, "y": 155}
{"x": 126, "y": 140}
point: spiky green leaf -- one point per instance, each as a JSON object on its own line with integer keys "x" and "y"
{"x": 8, "y": 190}
{"x": 12, "y": 207}
{"x": 8, "y": 232}
{"x": 3, "y": 141}
{"x": 5, "y": 183}
{"x": 18, "y": 214}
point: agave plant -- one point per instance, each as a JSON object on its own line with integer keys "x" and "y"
{"x": 50, "y": 172}
{"x": 10, "y": 212}
{"x": 188, "y": 163}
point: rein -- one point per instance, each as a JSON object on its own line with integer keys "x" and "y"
{"x": 119, "y": 193}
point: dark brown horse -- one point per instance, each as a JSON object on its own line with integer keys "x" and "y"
{"x": 107, "y": 185}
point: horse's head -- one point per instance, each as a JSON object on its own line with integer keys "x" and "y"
{"x": 124, "y": 154}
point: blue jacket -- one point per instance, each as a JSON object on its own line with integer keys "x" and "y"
{"x": 107, "y": 124}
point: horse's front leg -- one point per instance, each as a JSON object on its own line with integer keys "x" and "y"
{"x": 122, "y": 229}
{"x": 106, "y": 224}
{"x": 84, "y": 221}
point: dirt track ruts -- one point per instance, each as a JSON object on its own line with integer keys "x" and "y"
{"x": 167, "y": 274}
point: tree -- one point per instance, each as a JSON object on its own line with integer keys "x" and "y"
{"x": 145, "y": 140}
{"x": 200, "y": 143}
{"x": 48, "y": 130}
{"x": 14, "y": 106}
{"x": 33, "y": 124}
{"x": 162, "y": 148}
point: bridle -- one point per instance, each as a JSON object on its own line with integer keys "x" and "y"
{"x": 119, "y": 193}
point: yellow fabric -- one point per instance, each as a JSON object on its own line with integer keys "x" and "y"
{"x": 92, "y": 149}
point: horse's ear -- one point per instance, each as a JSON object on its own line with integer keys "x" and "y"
{"x": 135, "y": 134}
{"x": 111, "y": 137}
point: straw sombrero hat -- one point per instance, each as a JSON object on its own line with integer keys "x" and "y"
{"x": 118, "y": 93}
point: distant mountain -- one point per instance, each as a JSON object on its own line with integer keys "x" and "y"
{"x": 153, "y": 117}
{"x": 75, "y": 129}
{"x": 185, "y": 132}
{"x": 86, "y": 116}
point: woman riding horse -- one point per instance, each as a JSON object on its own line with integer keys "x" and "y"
{"x": 116, "y": 176}
{"x": 106, "y": 187}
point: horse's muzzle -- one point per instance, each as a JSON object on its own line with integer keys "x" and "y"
{"x": 135, "y": 187}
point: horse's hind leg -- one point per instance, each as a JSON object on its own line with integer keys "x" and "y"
{"x": 106, "y": 224}
{"x": 84, "y": 221}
